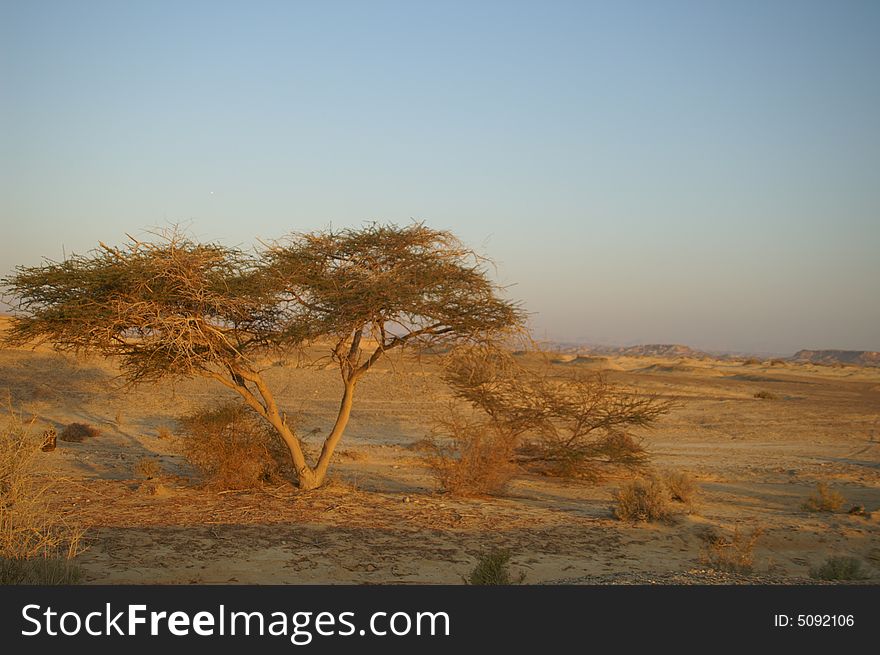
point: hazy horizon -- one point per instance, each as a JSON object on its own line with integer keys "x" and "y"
{"x": 678, "y": 172}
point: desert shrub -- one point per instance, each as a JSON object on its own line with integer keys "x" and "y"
{"x": 570, "y": 425}
{"x": 681, "y": 486}
{"x": 148, "y": 467}
{"x": 735, "y": 553}
{"x": 232, "y": 448}
{"x": 164, "y": 433}
{"x": 839, "y": 568}
{"x": 493, "y": 568}
{"x": 77, "y": 432}
{"x": 643, "y": 500}
{"x": 50, "y": 440}
{"x": 38, "y": 571}
{"x": 765, "y": 395}
{"x": 473, "y": 459}
{"x": 30, "y": 529}
{"x": 824, "y": 500}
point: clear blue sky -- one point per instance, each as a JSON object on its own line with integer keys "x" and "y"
{"x": 697, "y": 172}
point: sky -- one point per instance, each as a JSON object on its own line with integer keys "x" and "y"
{"x": 705, "y": 173}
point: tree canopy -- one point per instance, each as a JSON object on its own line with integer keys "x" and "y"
{"x": 174, "y": 307}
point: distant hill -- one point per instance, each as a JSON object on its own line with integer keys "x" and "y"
{"x": 831, "y": 357}
{"x": 665, "y": 350}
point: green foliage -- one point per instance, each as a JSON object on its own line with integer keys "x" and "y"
{"x": 840, "y": 568}
{"x": 493, "y": 568}
{"x": 38, "y": 571}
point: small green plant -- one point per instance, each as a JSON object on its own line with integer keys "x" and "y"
{"x": 824, "y": 500}
{"x": 493, "y": 568}
{"x": 643, "y": 500}
{"x": 766, "y": 395}
{"x": 839, "y": 568}
{"x": 76, "y": 432}
{"x": 38, "y": 571}
{"x": 733, "y": 554}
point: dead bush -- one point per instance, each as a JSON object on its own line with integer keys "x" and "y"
{"x": 77, "y": 432}
{"x": 644, "y": 499}
{"x": 681, "y": 486}
{"x": 471, "y": 458}
{"x": 734, "y": 553}
{"x": 148, "y": 467}
{"x": 493, "y": 568}
{"x": 50, "y": 440}
{"x": 766, "y": 395}
{"x": 233, "y": 448}
{"x": 29, "y": 528}
{"x": 824, "y": 500}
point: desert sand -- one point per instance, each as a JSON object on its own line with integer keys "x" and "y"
{"x": 381, "y": 519}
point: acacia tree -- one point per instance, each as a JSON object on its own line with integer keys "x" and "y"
{"x": 173, "y": 307}
{"x": 564, "y": 425}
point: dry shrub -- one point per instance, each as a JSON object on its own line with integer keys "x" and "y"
{"x": 570, "y": 425}
{"x": 233, "y": 448}
{"x": 493, "y": 568}
{"x": 351, "y": 455}
{"x": 50, "y": 440}
{"x": 77, "y": 432}
{"x": 824, "y": 500}
{"x": 681, "y": 486}
{"x": 474, "y": 458}
{"x": 734, "y": 554}
{"x": 765, "y": 395}
{"x": 424, "y": 445}
{"x": 164, "y": 433}
{"x": 148, "y": 467}
{"x": 644, "y": 499}
{"x": 840, "y": 568}
{"x": 35, "y": 541}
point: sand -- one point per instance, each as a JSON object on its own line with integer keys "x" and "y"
{"x": 381, "y": 519}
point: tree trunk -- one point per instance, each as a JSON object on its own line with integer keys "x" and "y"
{"x": 305, "y": 477}
{"x": 320, "y": 470}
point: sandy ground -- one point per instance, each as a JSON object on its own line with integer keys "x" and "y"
{"x": 381, "y": 521}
